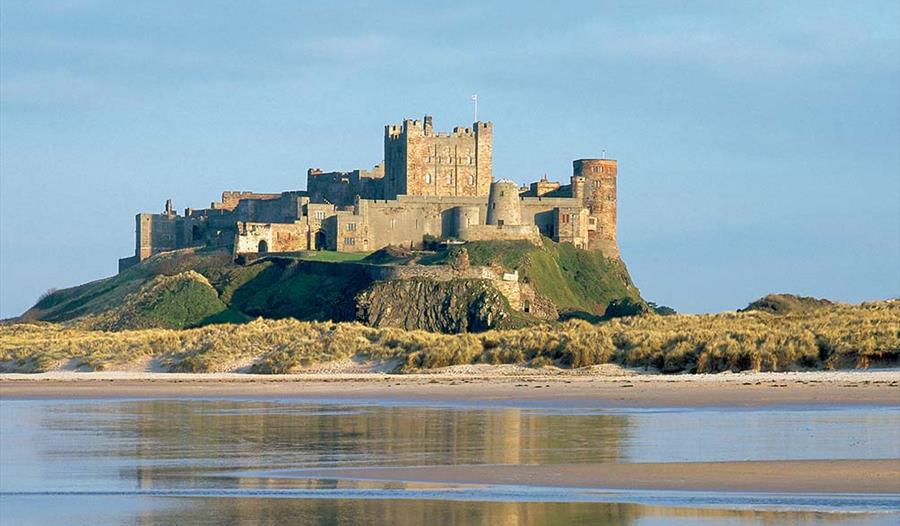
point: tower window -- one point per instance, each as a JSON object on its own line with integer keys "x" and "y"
{"x": 471, "y": 180}
{"x": 427, "y": 178}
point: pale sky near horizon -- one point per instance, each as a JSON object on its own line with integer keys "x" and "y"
{"x": 758, "y": 142}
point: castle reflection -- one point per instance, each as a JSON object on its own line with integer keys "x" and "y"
{"x": 152, "y": 462}
{"x": 183, "y": 442}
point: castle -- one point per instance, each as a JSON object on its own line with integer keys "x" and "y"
{"x": 430, "y": 185}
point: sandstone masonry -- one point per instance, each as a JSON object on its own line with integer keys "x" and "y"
{"x": 429, "y": 185}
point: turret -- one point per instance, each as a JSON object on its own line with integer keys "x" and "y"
{"x": 503, "y": 204}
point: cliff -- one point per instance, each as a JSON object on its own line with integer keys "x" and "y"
{"x": 452, "y": 306}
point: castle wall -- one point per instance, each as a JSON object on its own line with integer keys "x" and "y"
{"x": 348, "y": 232}
{"x": 270, "y": 237}
{"x": 541, "y": 188}
{"x": 342, "y": 188}
{"x": 539, "y": 211}
{"x": 286, "y": 208}
{"x": 408, "y": 219}
{"x": 155, "y": 233}
{"x": 231, "y": 199}
{"x": 502, "y": 233}
{"x": 571, "y": 226}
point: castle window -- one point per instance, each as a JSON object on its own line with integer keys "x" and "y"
{"x": 449, "y": 179}
{"x": 351, "y": 227}
{"x": 564, "y": 218}
{"x": 349, "y": 240}
{"x": 427, "y": 178}
{"x": 471, "y": 180}
{"x": 320, "y": 214}
{"x": 393, "y": 223}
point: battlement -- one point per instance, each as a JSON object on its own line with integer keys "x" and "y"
{"x": 424, "y": 128}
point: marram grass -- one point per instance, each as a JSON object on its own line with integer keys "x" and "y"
{"x": 836, "y": 336}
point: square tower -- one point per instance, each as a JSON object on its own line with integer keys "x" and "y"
{"x": 418, "y": 161}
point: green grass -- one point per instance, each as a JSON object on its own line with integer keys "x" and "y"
{"x": 333, "y": 257}
{"x": 575, "y": 280}
{"x": 175, "y": 302}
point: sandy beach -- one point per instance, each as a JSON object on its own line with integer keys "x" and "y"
{"x": 485, "y": 385}
{"x": 792, "y": 476}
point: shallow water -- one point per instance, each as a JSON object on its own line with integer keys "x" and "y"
{"x": 210, "y": 461}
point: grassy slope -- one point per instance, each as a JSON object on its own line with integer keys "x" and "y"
{"x": 184, "y": 300}
{"x": 575, "y": 280}
{"x": 104, "y": 294}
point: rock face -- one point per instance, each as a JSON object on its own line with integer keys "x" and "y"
{"x": 461, "y": 305}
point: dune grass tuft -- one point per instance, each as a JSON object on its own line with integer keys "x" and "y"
{"x": 835, "y": 336}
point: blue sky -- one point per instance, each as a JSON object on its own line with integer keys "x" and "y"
{"x": 758, "y": 143}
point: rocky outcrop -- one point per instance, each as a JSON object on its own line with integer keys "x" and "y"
{"x": 460, "y": 305}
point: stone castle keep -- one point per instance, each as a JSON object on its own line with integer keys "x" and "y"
{"x": 429, "y": 185}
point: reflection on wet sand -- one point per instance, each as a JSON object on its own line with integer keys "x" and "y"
{"x": 205, "y": 461}
{"x": 419, "y": 512}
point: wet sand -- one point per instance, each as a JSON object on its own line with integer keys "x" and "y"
{"x": 793, "y": 476}
{"x": 484, "y": 387}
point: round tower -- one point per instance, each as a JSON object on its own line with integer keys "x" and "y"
{"x": 503, "y": 204}
{"x": 464, "y": 217}
{"x": 599, "y": 198}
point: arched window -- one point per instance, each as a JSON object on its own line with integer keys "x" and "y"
{"x": 471, "y": 180}
{"x": 263, "y": 247}
{"x": 427, "y": 178}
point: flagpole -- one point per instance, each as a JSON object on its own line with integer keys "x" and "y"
{"x": 475, "y": 107}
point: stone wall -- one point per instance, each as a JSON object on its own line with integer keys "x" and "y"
{"x": 502, "y": 232}
{"x": 155, "y": 233}
{"x": 285, "y": 208}
{"x": 270, "y": 237}
{"x": 348, "y": 232}
{"x": 572, "y": 226}
{"x": 231, "y": 199}
{"x": 342, "y": 188}
{"x": 408, "y": 219}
